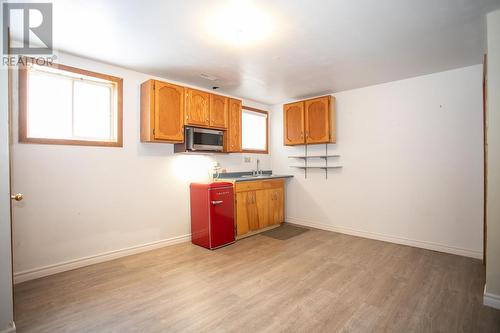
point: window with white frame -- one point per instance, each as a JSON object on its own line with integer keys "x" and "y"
{"x": 254, "y": 129}
{"x": 65, "y": 105}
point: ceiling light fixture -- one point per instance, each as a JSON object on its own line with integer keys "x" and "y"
{"x": 240, "y": 23}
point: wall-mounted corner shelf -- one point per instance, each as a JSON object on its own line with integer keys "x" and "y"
{"x": 316, "y": 156}
{"x": 316, "y": 167}
{"x": 306, "y": 157}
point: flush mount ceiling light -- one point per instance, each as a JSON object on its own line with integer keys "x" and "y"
{"x": 240, "y": 23}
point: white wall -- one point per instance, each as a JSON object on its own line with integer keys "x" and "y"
{"x": 493, "y": 210}
{"x": 6, "y": 307}
{"x": 413, "y": 164}
{"x": 84, "y": 201}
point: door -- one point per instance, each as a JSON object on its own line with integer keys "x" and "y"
{"x": 262, "y": 197}
{"x": 246, "y": 212}
{"x": 169, "y": 112}
{"x": 6, "y": 300}
{"x": 241, "y": 213}
{"x": 317, "y": 120}
{"x": 198, "y": 103}
{"x": 293, "y": 123}
{"x": 234, "y": 126}
{"x": 276, "y": 205}
{"x": 218, "y": 111}
{"x": 252, "y": 211}
{"x": 221, "y": 216}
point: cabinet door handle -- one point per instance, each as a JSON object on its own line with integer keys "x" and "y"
{"x": 217, "y": 202}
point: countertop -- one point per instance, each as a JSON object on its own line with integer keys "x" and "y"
{"x": 240, "y": 176}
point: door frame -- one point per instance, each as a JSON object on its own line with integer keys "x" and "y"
{"x": 6, "y": 276}
{"x": 485, "y": 158}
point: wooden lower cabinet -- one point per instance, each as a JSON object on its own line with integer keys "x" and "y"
{"x": 277, "y": 201}
{"x": 263, "y": 206}
{"x": 246, "y": 210}
{"x": 259, "y": 204}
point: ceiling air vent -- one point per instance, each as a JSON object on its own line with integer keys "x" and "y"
{"x": 208, "y": 77}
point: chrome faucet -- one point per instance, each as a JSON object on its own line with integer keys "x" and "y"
{"x": 257, "y": 172}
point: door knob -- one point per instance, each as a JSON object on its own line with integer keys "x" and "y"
{"x": 17, "y": 196}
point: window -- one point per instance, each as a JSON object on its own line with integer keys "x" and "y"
{"x": 65, "y": 105}
{"x": 254, "y": 125}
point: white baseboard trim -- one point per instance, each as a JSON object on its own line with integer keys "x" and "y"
{"x": 98, "y": 258}
{"x": 491, "y": 300}
{"x": 9, "y": 329}
{"x": 387, "y": 238}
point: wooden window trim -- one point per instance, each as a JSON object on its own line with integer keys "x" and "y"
{"x": 23, "y": 107}
{"x": 253, "y": 151}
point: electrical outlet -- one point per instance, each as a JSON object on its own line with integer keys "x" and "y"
{"x": 247, "y": 159}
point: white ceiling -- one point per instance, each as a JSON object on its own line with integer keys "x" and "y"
{"x": 317, "y": 46}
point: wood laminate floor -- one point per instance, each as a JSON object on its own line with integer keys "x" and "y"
{"x": 318, "y": 281}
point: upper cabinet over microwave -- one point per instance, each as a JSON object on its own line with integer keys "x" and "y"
{"x": 310, "y": 121}
{"x": 205, "y": 109}
{"x": 197, "y": 107}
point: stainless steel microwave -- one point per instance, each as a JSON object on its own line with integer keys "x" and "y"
{"x": 202, "y": 139}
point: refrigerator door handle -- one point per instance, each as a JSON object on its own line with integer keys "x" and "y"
{"x": 217, "y": 202}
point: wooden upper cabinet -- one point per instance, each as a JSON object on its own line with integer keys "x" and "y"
{"x": 310, "y": 122}
{"x": 293, "y": 123}
{"x": 317, "y": 120}
{"x": 162, "y": 112}
{"x": 166, "y": 108}
{"x": 197, "y": 107}
{"x": 233, "y": 133}
{"x": 218, "y": 111}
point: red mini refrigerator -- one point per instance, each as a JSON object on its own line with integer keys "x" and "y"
{"x": 212, "y": 214}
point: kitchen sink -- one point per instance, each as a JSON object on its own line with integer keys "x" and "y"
{"x": 256, "y": 176}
